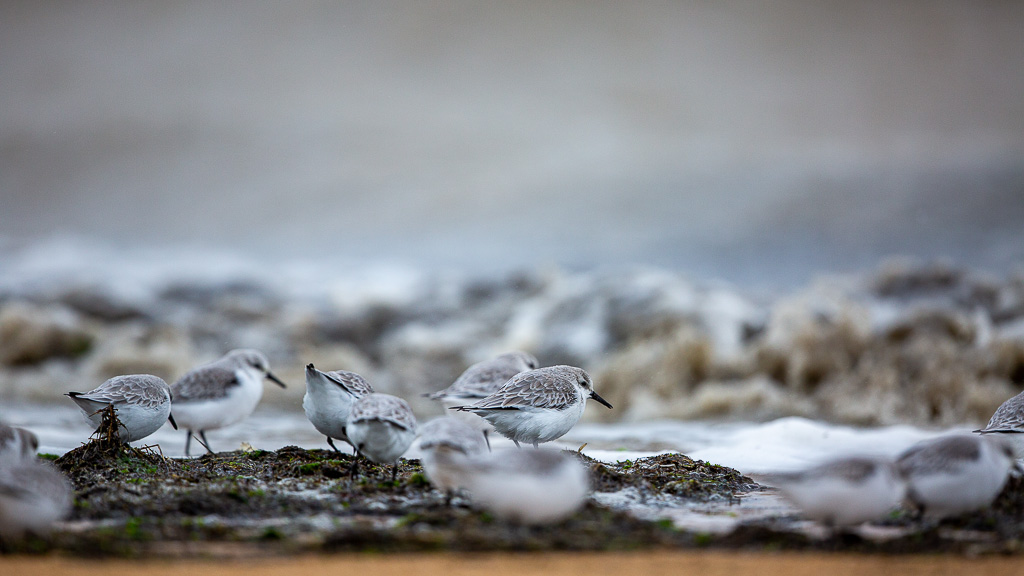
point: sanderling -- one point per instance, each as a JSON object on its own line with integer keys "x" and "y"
{"x": 33, "y": 495}
{"x": 329, "y": 398}
{"x": 221, "y": 393}
{"x": 481, "y": 380}
{"x": 142, "y": 403}
{"x": 381, "y": 427}
{"x": 1008, "y": 422}
{"x": 538, "y": 405}
{"x": 954, "y": 474}
{"x": 844, "y": 491}
{"x": 16, "y": 445}
{"x": 441, "y": 439}
{"x": 531, "y": 487}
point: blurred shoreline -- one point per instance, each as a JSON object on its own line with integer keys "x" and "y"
{"x": 909, "y": 342}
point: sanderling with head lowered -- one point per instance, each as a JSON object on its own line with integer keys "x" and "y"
{"x": 33, "y": 495}
{"x": 537, "y": 405}
{"x": 844, "y": 491}
{"x": 142, "y": 403}
{"x": 16, "y": 445}
{"x": 1008, "y": 422}
{"x": 527, "y": 486}
{"x": 480, "y": 381}
{"x": 445, "y": 438}
{"x": 955, "y": 474}
{"x": 221, "y": 393}
{"x": 381, "y": 427}
{"x": 329, "y": 398}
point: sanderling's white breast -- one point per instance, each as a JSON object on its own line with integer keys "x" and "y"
{"x": 329, "y": 398}
{"x": 528, "y": 486}
{"x": 381, "y": 427}
{"x": 33, "y": 495}
{"x": 843, "y": 492}
{"x": 221, "y": 393}
{"x": 1008, "y": 422}
{"x": 538, "y": 405}
{"x": 445, "y": 438}
{"x": 142, "y": 403}
{"x": 16, "y": 445}
{"x": 480, "y": 381}
{"x": 954, "y": 474}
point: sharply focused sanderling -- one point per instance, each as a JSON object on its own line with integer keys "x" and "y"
{"x": 538, "y": 405}
{"x": 221, "y": 393}
{"x": 843, "y": 492}
{"x": 33, "y": 495}
{"x": 954, "y": 474}
{"x": 329, "y": 398}
{"x": 1008, "y": 422}
{"x": 445, "y": 438}
{"x": 16, "y": 445}
{"x": 481, "y": 380}
{"x": 142, "y": 403}
{"x": 528, "y": 486}
{"x": 381, "y": 427}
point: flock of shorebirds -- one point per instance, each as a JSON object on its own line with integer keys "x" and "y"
{"x": 509, "y": 394}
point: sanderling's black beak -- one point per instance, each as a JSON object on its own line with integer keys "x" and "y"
{"x": 599, "y": 399}
{"x": 170, "y": 418}
{"x": 275, "y": 379}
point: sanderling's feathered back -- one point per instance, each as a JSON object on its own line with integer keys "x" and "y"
{"x": 329, "y": 398}
{"x": 442, "y": 439}
{"x": 16, "y": 445}
{"x": 481, "y": 380}
{"x": 221, "y": 393}
{"x": 33, "y": 495}
{"x": 1008, "y": 422}
{"x": 142, "y": 403}
{"x": 538, "y": 405}
{"x": 843, "y": 492}
{"x": 486, "y": 377}
{"x": 954, "y": 474}
{"x": 528, "y": 486}
{"x": 381, "y": 427}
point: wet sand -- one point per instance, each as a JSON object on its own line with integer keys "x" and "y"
{"x": 650, "y": 563}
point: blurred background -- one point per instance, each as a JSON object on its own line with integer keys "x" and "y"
{"x": 759, "y": 144}
{"x": 653, "y": 191}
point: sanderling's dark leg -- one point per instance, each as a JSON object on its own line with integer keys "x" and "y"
{"x": 331, "y": 442}
{"x": 188, "y": 440}
{"x": 517, "y": 443}
{"x": 487, "y": 439}
{"x": 202, "y": 436}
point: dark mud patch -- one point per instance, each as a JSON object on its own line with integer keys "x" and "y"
{"x": 135, "y": 503}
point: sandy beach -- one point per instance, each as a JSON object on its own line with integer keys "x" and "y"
{"x": 650, "y": 563}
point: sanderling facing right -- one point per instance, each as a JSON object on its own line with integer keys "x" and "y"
{"x": 329, "y": 398}
{"x": 527, "y": 486}
{"x": 16, "y": 445}
{"x": 33, "y": 495}
{"x": 221, "y": 393}
{"x": 538, "y": 405}
{"x": 1008, "y": 422}
{"x": 843, "y": 492}
{"x": 480, "y": 381}
{"x": 445, "y": 438}
{"x": 381, "y": 427}
{"x": 955, "y": 474}
{"x": 142, "y": 403}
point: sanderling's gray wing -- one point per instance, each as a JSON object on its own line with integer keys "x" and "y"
{"x": 940, "y": 455}
{"x": 351, "y": 382}
{"x": 855, "y": 470}
{"x": 550, "y": 388}
{"x": 484, "y": 378}
{"x": 205, "y": 383}
{"x": 139, "y": 389}
{"x": 385, "y": 408}
{"x": 1009, "y": 417}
